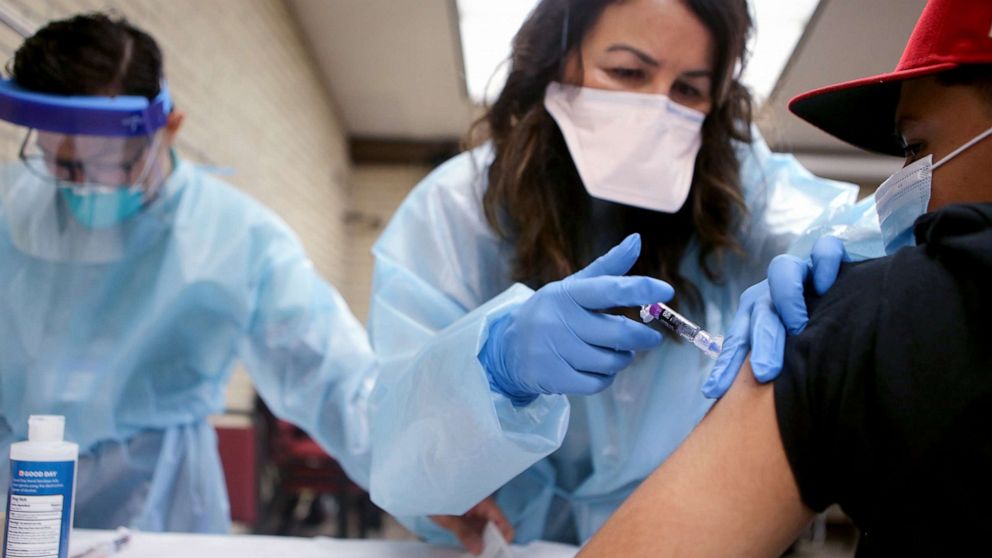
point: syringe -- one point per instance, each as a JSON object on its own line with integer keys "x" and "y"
{"x": 709, "y": 344}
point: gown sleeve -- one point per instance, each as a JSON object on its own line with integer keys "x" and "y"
{"x": 442, "y": 439}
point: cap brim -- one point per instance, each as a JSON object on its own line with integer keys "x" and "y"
{"x": 861, "y": 112}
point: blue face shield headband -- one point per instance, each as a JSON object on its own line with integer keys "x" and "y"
{"x": 98, "y": 150}
{"x": 120, "y": 116}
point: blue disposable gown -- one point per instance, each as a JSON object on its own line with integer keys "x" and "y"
{"x": 561, "y": 465}
{"x": 136, "y": 352}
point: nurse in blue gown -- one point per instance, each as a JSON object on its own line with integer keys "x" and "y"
{"x": 621, "y": 125}
{"x": 131, "y": 281}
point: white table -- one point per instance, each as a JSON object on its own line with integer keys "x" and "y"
{"x": 173, "y": 545}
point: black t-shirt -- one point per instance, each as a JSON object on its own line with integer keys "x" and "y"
{"x": 885, "y": 400}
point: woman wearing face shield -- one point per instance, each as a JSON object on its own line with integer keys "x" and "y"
{"x": 132, "y": 280}
{"x": 624, "y": 125}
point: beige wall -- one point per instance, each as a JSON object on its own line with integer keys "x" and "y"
{"x": 254, "y": 103}
{"x": 377, "y": 191}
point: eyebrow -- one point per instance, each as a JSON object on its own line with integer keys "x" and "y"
{"x": 645, "y": 57}
{"x": 698, "y": 74}
{"x": 650, "y": 61}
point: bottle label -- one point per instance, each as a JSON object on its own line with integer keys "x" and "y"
{"x": 39, "y": 509}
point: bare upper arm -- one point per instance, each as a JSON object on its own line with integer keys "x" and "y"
{"x": 728, "y": 490}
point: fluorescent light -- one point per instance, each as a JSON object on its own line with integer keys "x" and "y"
{"x": 487, "y": 28}
{"x": 778, "y": 26}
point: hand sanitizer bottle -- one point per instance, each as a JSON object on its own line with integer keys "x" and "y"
{"x": 42, "y": 490}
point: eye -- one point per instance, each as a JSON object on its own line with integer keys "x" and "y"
{"x": 912, "y": 149}
{"x": 627, "y": 74}
{"x": 685, "y": 90}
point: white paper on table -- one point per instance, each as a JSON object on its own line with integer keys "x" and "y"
{"x": 493, "y": 543}
{"x": 544, "y": 549}
{"x": 170, "y": 545}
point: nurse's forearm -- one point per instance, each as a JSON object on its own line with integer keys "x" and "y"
{"x": 727, "y": 491}
{"x": 442, "y": 440}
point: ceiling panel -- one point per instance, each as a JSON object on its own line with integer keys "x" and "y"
{"x": 394, "y": 70}
{"x": 393, "y": 67}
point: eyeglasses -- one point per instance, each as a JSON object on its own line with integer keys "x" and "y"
{"x": 48, "y": 166}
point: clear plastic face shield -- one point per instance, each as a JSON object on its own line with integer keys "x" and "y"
{"x": 85, "y": 171}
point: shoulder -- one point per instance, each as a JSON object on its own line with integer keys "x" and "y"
{"x": 943, "y": 277}
{"x": 462, "y": 178}
{"x": 917, "y": 296}
{"x": 911, "y": 320}
{"x": 214, "y": 218}
{"x": 448, "y": 200}
{"x": 441, "y": 237}
{"x": 203, "y": 192}
{"x": 857, "y": 291}
{"x": 206, "y": 196}
{"x": 893, "y": 363}
{"x": 935, "y": 295}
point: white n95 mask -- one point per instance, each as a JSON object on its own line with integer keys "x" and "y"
{"x": 905, "y": 195}
{"x": 632, "y": 148}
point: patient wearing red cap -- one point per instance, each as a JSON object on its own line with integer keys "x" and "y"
{"x": 884, "y": 404}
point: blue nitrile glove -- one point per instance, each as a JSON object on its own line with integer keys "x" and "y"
{"x": 559, "y": 342}
{"x": 788, "y": 274}
{"x": 769, "y": 309}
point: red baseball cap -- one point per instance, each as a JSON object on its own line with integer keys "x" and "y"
{"x": 949, "y": 34}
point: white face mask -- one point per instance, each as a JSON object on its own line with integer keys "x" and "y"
{"x": 905, "y": 195}
{"x": 631, "y": 148}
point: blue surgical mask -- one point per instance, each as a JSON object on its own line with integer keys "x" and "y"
{"x": 905, "y": 195}
{"x": 902, "y": 198}
{"x": 102, "y": 208}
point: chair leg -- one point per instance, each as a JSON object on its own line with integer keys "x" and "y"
{"x": 343, "y": 510}
{"x": 287, "y": 516}
{"x": 363, "y": 517}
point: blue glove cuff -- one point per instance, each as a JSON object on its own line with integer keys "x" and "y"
{"x": 491, "y": 357}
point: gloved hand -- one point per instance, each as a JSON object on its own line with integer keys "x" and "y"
{"x": 558, "y": 342}
{"x": 769, "y": 309}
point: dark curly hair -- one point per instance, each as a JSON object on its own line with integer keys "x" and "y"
{"x": 535, "y": 197}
